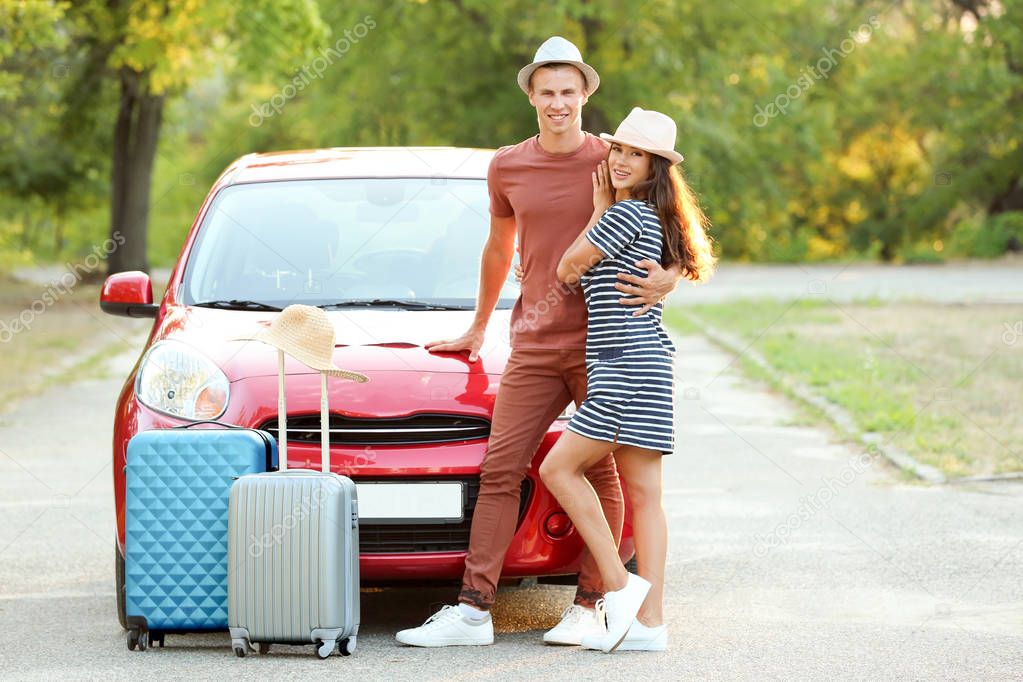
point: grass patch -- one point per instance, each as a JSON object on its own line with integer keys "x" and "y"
{"x": 940, "y": 382}
{"x": 51, "y": 336}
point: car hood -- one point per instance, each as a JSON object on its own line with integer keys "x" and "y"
{"x": 365, "y": 340}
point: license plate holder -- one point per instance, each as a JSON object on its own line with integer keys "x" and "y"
{"x": 402, "y": 502}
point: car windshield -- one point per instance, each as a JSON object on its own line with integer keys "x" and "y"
{"x": 350, "y": 241}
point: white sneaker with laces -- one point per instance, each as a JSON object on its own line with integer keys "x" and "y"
{"x": 448, "y": 627}
{"x": 639, "y": 638}
{"x": 621, "y": 607}
{"x": 576, "y": 622}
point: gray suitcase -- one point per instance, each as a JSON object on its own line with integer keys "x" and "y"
{"x": 293, "y": 553}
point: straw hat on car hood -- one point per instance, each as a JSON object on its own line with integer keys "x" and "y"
{"x": 305, "y": 333}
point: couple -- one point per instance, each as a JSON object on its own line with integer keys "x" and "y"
{"x": 616, "y": 217}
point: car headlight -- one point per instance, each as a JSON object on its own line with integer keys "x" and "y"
{"x": 567, "y": 413}
{"x": 178, "y": 380}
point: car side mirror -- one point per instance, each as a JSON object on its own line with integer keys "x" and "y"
{"x": 129, "y": 294}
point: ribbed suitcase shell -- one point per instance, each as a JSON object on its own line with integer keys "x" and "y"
{"x": 293, "y": 548}
{"x": 293, "y": 563}
{"x": 177, "y": 488}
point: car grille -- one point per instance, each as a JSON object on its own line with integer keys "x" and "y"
{"x": 417, "y": 429}
{"x": 440, "y": 537}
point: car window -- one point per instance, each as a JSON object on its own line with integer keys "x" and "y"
{"x": 327, "y": 241}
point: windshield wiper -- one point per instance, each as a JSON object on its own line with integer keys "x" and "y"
{"x": 390, "y": 303}
{"x": 236, "y": 304}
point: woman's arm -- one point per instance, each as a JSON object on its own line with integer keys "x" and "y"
{"x": 582, "y": 254}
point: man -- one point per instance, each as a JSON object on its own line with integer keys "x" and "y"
{"x": 540, "y": 192}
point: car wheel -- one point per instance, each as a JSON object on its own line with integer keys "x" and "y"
{"x": 122, "y": 616}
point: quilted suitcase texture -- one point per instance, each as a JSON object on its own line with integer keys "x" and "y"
{"x": 293, "y": 557}
{"x": 178, "y": 481}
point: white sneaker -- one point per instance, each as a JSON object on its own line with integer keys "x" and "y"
{"x": 576, "y": 622}
{"x": 639, "y": 638}
{"x": 621, "y": 607}
{"x": 448, "y": 627}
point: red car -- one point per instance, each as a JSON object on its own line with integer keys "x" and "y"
{"x": 388, "y": 241}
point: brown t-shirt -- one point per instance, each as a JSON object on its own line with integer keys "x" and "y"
{"x": 551, "y": 197}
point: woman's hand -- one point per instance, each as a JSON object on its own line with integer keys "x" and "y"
{"x": 603, "y": 191}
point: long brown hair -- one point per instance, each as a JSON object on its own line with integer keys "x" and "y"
{"x": 683, "y": 223}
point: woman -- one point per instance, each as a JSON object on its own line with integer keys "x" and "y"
{"x": 643, "y": 209}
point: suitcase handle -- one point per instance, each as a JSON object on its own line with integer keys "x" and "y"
{"x": 282, "y": 418}
{"x": 209, "y": 421}
{"x": 266, "y": 437}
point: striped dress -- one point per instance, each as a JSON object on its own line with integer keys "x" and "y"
{"x": 629, "y": 360}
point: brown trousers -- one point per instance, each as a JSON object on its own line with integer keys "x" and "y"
{"x": 536, "y": 387}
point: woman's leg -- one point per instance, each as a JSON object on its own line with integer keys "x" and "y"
{"x": 641, "y": 474}
{"x": 562, "y": 471}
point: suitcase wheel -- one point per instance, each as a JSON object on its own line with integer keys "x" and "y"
{"x": 347, "y": 646}
{"x": 264, "y": 648}
{"x": 133, "y": 639}
{"x": 241, "y": 646}
{"x": 143, "y": 641}
{"x": 325, "y": 648}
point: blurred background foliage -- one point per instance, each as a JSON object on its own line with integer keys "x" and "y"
{"x": 907, "y": 149}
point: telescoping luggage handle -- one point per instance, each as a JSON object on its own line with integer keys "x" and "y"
{"x": 282, "y": 419}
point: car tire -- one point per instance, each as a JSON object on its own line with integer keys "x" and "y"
{"x": 122, "y": 616}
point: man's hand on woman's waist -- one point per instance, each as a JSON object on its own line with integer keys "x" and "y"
{"x": 650, "y": 290}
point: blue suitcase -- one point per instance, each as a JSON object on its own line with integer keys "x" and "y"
{"x": 177, "y": 485}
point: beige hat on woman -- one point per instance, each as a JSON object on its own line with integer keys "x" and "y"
{"x": 650, "y": 131}
{"x": 305, "y": 333}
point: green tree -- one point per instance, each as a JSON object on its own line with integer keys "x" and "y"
{"x": 154, "y": 51}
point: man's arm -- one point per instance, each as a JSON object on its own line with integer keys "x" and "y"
{"x": 495, "y": 263}
{"x": 648, "y": 291}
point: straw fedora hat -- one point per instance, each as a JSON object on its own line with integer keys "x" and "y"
{"x": 650, "y": 131}
{"x": 305, "y": 333}
{"x": 561, "y": 51}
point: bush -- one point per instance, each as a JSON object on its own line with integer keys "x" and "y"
{"x": 987, "y": 238}
{"x": 1002, "y": 232}
{"x": 920, "y": 254}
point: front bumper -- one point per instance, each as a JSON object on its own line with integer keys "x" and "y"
{"x": 533, "y": 550}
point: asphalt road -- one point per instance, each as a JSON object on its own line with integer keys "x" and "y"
{"x": 791, "y": 556}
